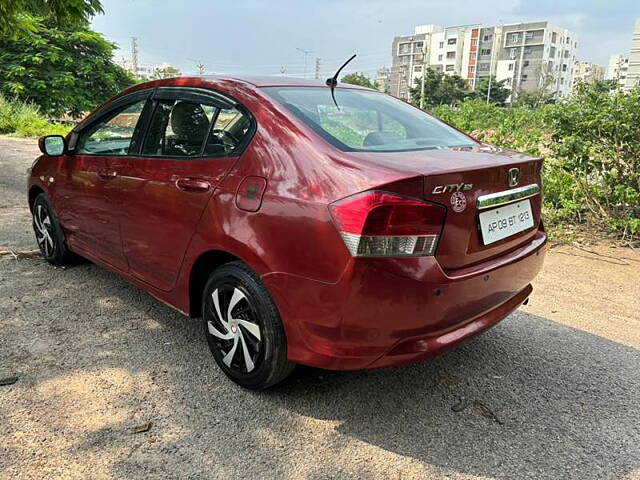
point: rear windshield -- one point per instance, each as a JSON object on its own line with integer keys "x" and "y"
{"x": 367, "y": 121}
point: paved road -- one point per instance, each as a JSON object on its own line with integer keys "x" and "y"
{"x": 552, "y": 392}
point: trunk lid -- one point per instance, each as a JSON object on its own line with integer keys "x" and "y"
{"x": 461, "y": 176}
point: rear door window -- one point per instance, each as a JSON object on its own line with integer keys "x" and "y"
{"x": 181, "y": 128}
{"x": 178, "y": 128}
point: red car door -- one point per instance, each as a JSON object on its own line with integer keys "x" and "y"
{"x": 192, "y": 140}
{"x": 87, "y": 189}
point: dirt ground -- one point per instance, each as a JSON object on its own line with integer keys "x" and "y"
{"x": 112, "y": 384}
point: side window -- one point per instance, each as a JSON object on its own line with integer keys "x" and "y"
{"x": 178, "y": 128}
{"x": 113, "y": 134}
{"x": 229, "y": 130}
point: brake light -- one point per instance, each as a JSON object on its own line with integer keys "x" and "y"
{"x": 383, "y": 224}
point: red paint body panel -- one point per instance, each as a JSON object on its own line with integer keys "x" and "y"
{"x": 155, "y": 218}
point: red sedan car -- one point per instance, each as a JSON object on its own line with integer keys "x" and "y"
{"x": 343, "y": 232}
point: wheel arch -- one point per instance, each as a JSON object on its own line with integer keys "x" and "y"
{"x": 34, "y": 191}
{"x": 206, "y": 263}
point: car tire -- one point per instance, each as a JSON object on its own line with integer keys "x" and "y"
{"x": 243, "y": 328}
{"x": 49, "y": 234}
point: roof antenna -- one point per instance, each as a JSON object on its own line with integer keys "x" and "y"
{"x": 333, "y": 81}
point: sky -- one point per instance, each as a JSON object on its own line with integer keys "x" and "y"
{"x": 265, "y": 37}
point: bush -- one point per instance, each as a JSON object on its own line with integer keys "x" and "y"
{"x": 23, "y": 119}
{"x": 591, "y": 144}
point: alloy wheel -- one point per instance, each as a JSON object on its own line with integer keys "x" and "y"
{"x": 44, "y": 231}
{"x": 234, "y": 325}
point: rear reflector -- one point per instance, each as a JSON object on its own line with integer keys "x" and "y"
{"x": 383, "y": 224}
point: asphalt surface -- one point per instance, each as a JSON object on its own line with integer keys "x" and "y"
{"x": 552, "y": 392}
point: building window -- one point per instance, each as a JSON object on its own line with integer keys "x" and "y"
{"x": 417, "y": 68}
{"x": 562, "y": 81}
{"x": 451, "y": 55}
{"x": 441, "y": 45}
{"x": 404, "y": 48}
{"x": 485, "y": 51}
{"x": 451, "y": 41}
{"x": 472, "y": 55}
{"x": 513, "y": 52}
{"x": 524, "y": 78}
{"x": 527, "y": 51}
{"x": 474, "y": 42}
{"x": 487, "y": 38}
{"x": 568, "y": 40}
{"x": 440, "y": 57}
{"x": 525, "y": 63}
{"x": 418, "y": 45}
{"x": 472, "y": 69}
{"x": 564, "y": 67}
{"x": 511, "y": 65}
{"x": 514, "y": 37}
{"x": 529, "y": 36}
{"x": 483, "y": 67}
{"x": 450, "y": 68}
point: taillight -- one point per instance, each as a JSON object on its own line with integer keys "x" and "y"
{"x": 383, "y": 224}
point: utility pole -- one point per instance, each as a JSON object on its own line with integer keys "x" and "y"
{"x": 134, "y": 55}
{"x": 424, "y": 68}
{"x": 306, "y": 53}
{"x": 317, "y": 68}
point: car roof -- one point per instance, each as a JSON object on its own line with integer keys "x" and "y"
{"x": 258, "y": 81}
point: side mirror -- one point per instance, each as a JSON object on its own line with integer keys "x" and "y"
{"x": 53, "y": 145}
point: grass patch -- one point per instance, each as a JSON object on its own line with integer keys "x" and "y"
{"x": 22, "y": 119}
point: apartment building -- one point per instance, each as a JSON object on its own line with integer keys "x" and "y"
{"x": 633, "y": 70}
{"x": 431, "y": 46}
{"x": 617, "y": 69}
{"x": 586, "y": 72}
{"x": 527, "y": 56}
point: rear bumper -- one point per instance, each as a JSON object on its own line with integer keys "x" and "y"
{"x": 393, "y": 312}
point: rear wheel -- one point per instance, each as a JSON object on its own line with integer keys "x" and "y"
{"x": 49, "y": 234}
{"x": 243, "y": 328}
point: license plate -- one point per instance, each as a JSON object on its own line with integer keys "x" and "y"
{"x": 502, "y": 222}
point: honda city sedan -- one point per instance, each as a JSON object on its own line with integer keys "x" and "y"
{"x": 325, "y": 225}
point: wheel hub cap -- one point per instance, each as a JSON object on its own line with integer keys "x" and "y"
{"x": 239, "y": 331}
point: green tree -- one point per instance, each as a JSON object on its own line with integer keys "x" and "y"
{"x": 358, "y": 79}
{"x": 165, "y": 72}
{"x": 22, "y": 16}
{"x": 498, "y": 94}
{"x": 60, "y": 69}
{"x": 440, "y": 89}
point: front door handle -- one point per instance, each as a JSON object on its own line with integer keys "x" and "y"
{"x": 193, "y": 185}
{"x": 107, "y": 174}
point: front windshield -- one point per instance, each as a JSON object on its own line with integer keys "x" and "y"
{"x": 367, "y": 121}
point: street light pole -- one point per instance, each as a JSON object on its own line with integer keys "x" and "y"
{"x": 306, "y": 53}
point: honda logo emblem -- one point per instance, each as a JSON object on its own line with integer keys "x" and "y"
{"x": 512, "y": 176}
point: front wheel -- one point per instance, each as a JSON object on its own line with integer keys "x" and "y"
{"x": 243, "y": 328}
{"x": 49, "y": 233}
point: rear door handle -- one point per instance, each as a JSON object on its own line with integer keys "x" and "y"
{"x": 193, "y": 185}
{"x": 107, "y": 174}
